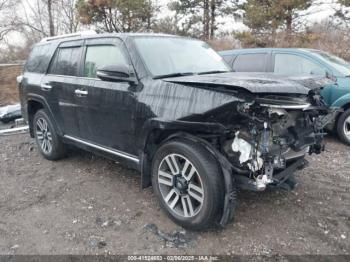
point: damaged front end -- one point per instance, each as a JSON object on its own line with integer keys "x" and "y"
{"x": 272, "y": 137}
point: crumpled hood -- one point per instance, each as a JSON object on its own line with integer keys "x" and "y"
{"x": 256, "y": 82}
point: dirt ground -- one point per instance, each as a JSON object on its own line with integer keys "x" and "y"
{"x": 85, "y": 204}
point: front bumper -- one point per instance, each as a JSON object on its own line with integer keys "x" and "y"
{"x": 279, "y": 178}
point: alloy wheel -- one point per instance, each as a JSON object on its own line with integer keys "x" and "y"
{"x": 180, "y": 185}
{"x": 44, "y": 135}
{"x": 347, "y": 127}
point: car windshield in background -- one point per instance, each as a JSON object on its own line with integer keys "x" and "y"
{"x": 339, "y": 64}
{"x": 171, "y": 56}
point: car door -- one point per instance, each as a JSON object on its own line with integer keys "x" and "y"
{"x": 61, "y": 81}
{"x": 105, "y": 109}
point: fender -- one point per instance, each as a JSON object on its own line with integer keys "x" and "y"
{"x": 42, "y": 100}
{"x": 165, "y": 125}
{"x": 155, "y": 131}
{"x": 342, "y": 101}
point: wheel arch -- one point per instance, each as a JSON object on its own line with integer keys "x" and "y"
{"x": 343, "y": 108}
{"x": 157, "y": 132}
{"x": 189, "y": 131}
{"x": 35, "y": 103}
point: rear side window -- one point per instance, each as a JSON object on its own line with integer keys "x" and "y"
{"x": 39, "y": 59}
{"x": 102, "y": 55}
{"x": 66, "y": 61}
{"x": 250, "y": 63}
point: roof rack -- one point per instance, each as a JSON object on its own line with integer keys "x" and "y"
{"x": 82, "y": 33}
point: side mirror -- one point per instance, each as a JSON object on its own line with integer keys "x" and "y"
{"x": 116, "y": 73}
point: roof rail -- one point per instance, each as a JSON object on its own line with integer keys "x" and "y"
{"x": 82, "y": 33}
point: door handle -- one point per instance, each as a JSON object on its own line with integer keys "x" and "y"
{"x": 80, "y": 93}
{"x": 45, "y": 87}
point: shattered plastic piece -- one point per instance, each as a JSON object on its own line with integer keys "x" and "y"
{"x": 245, "y": 149}
{"x": 10, "y": 112}
{"x": 242, "y": 146}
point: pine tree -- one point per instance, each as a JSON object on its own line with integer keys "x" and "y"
{"x": 117, "y": 15}
{"x": 203, "y": 11}
{"x": 269, "y": 15}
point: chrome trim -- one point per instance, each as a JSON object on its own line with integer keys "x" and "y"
{"x": 80, "y": 93}
{"x": 45, "y": 87}
{"x": 108, "y": 150}
{"x": 304, "y": 106}
{"x": 75, "y": 77}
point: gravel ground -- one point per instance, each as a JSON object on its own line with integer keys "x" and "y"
{"x": 85, "y": 204}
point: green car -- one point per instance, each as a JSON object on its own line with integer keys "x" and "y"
{"x": 296, "y": 61}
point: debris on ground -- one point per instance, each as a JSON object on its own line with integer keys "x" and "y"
{"x": 10, "y": 112}
{"x": 14, "y": 131}
{"x": 97, "y": 242}
{"x": 177, "y": 239}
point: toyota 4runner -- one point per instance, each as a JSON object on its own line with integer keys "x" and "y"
{"x": 171, "y": 108}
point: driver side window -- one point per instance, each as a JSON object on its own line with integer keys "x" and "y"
{"x": 289, "y": 64}
{"x": 98, "y": 56}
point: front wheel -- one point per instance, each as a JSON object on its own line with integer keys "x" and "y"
{"x": 343, "y": 127}
{"x": 188, "y": 183}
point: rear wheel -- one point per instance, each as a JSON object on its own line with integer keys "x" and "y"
{"x": 188, "y": 183}
{"x": 343, "y": 127}
{"x": 49, "y": 143}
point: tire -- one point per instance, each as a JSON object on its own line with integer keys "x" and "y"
{"x": 49, "y": 143}
{"x": 204, "y": 182}
{"x": 343, "y": 127}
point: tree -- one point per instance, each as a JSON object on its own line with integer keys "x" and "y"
{"x": 51, "y": 24}
{"x": 199, "y": 11}
{"x": 266, "y": 16}
{"x": 42, "y": 18}
{"x": 7, "y": 21}
{"x": 68, "y": 13}
{"x": 117, "y": 15}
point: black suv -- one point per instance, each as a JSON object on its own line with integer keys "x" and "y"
{"x": 170, "y": 107}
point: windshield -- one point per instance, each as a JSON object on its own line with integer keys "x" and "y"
{"x": 336, "y": 62}
{"x": 171, "y": 56}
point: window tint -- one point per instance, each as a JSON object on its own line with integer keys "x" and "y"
{"x": 250, "y": 63}
{"x": 66, "y": 61}
{"x": 39, "y": 59}
{"x": 288, "y": 64}
{"x": 102, "y": 55}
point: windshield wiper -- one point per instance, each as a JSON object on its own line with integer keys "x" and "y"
{"x": 174, "y": 75}
{"x": 213, "y": 72}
